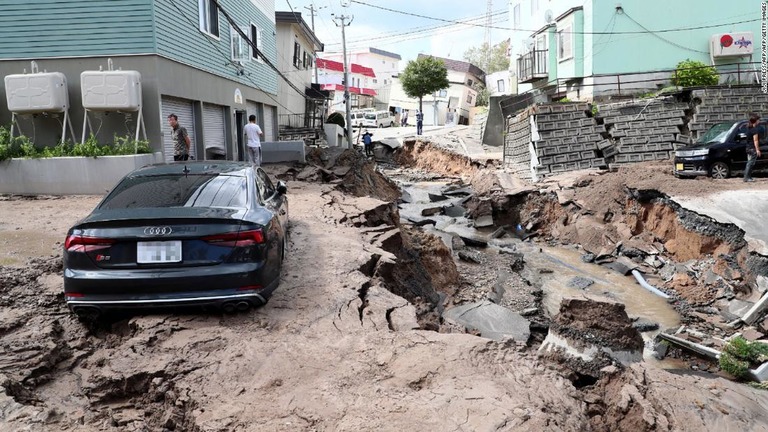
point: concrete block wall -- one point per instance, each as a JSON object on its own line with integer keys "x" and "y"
{"x": 716, "y": 105}
{"x": 517, "y": 144}
{"x": 643, "y": 130}
{"x": 568, "y": 138}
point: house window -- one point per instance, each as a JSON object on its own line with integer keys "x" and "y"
{"x": 541, "y": 42}
{"x": 297, "y": 55}
{"x": 469, "y": 82}
{"x": 209, "y": 17}
{"x": 516, "y": 15}
{"x": 256, "y": 38}
{"x": 469, "y": 99}
{"x": 385, "y": 81}
{"x": 500, "y": 86}
{"x": 239, "y": 46}
{"x": 534, "y": 6}
{"x": 564, "y": 44}
{"x": 443, "y": 93}
{"x": 375, "y": 81}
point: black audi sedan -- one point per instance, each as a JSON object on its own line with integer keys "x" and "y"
{"x": 179, "y": 234}
{"x": 719, "y": 152}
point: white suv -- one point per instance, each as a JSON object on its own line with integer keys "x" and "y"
{"x": 378, "y": 119}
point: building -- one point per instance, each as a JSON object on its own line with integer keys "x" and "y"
{"x": 385, "y": 66}
{"x": 447, "y": 106}
{"x": 297, "y": 48}
{"x": 331, "y": 79}
{"x": 192, "y": 62}
{"x": 582, "y": 49}
{"x": 501, "y": 83}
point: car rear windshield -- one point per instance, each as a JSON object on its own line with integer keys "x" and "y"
{"x": 370, "y": 116}
{"x": 178, "y": 190}
{"x": 717, "y": 133}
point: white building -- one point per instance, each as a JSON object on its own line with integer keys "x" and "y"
{"x": 447, "y": 106}
{"x": 501, "y": 83}
{"x": 385, "y": 65}
{"x": 331, "y": 78}
{"x": 298, "y": 46}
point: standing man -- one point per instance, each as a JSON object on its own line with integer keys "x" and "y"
{"x": 252, "y": 132}
{"x": 180, "y": 139}
{"x": 754, "y": 132}
{"x": 368, "y": 142}
{"x": 419, "y": 120}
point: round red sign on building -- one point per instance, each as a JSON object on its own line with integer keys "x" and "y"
{"x": 726, "y": 41}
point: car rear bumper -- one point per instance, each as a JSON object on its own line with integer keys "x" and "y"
{"x": 215, "y": 286}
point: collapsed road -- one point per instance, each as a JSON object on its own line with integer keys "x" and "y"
{"x": 352, "y": 340}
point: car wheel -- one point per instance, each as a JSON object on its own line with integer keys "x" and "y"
{"x": 720, "y": 170}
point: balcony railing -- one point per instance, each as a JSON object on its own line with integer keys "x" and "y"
{"x": 532, "y": 66}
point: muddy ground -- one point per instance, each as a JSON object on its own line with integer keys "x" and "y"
{"x": 334, "y": 349}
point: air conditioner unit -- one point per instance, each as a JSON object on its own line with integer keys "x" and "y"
{"x": 732, "y": 44}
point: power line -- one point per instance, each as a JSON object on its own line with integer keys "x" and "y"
{"x": 662, "y": 38}
{"x": 226, "y": 57}
{"x": 533, "y": 31}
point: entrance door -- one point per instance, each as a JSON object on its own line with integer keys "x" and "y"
{"x": 183, "y": 110}
{"x": 240, "y": 120}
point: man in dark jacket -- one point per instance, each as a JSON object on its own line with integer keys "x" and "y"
{"x": 754, "y": 132}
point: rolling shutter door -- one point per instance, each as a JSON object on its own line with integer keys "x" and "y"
{"x": 213, "y": 128}
{"x": 269, "y": 123}
{"x": 253, "y": 108}
{"x": 183, "y": 110}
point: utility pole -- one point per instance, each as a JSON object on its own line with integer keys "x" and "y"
{"x": 341, "y": 21}
{"x": 312, "y": 12}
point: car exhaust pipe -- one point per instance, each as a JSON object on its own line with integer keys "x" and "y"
{"x": 87, "y": 312}
{"x": 243, "y": 306}
{"x": 229, "y": 307}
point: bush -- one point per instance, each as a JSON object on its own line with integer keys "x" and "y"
{"x": 739, "y": 354}
{"x": 22, "y": 147}
{"x": 337, "y": 118}
{"x": 691, "y": 73}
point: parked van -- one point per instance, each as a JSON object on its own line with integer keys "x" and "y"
{"x": 379, "y": 119}
{"x": 357, "y": 118}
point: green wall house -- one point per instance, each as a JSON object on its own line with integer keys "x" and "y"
{"x": 192, "y": 63}
{"x": 600, "y": 47}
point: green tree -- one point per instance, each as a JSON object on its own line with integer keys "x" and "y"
{"x": 424, "y": 76}
{"x": 691, "y": 73}
{"x": 490, "y": 60}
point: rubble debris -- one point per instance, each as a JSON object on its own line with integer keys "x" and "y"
{"x": 436, "y": 198}
{"x": 454, "y": 211}
{"x": 645, "y": 325}
{"x": 431, "y": 211}
{"x": 469, "y": 256}
{"x": 753, "y": 313}
{"x": 483, "y": 222}
{"x": 579, "y": 282}
{"x": 693, "y": 346}
{"x": 588, "y": 335}
{"x": 491, "y": 320}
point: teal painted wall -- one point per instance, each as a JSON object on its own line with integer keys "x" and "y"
{"x": 63, "y": 28}
{"x": 624, "y": 53}
{"x": 552, "y": 69}
{"x": 179, "y": 38}
{"x": 574, "y": 66}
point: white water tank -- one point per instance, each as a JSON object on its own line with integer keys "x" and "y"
{"x": 36, "y": 92}
{"x": 113, "y": 90}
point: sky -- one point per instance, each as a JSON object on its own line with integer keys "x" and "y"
{"x": 386, "y": 30}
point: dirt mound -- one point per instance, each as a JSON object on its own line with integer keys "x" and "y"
{"x": 364, "y": 180}
{"x": 597, "y": 323}
{"x": 424, "y": 155}
{"x": 424, "y": 272}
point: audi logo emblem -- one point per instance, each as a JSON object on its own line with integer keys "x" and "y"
{"x": 158, "y": 231}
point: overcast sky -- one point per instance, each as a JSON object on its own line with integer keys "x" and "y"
{"x": 390, "y": 29}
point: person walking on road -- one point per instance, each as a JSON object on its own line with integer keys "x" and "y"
{"x": 419, "y": 122}
{"x": 180, "y": 137}
{"x": 754, "y": 132}
{"x": 252, "y": 132}
{"x": 368, "y": 142}
{"x": 404, "y": 121}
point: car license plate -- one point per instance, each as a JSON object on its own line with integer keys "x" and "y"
{"x": 158, "y": 252}
{"x": 679, "y": 167}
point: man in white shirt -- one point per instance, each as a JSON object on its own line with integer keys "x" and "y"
{"x": 252, "y": 132}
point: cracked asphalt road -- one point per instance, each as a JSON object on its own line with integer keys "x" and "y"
{"x": 308, "y": 360}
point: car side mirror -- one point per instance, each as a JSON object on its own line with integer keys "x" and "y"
{"x": 282, "y": 189}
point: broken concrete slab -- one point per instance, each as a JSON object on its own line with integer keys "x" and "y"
{"x": 645, "y": 325}
{"x": 469, "y": 256}
{"x": 581, "y": 283}
{"x": 491, "y": 320}
{"x": 739, "y": 307}
{"x": 454, "y": 211}
{"x": 436, "y": 198}
{"x": 405, "y": 196}
{"x": 431, "y": 211}
{"x": 622, "y": 265}
{"x": 483, "y": 222}
{"x": 566, "y": 196}
{"x": 463, "y": 191}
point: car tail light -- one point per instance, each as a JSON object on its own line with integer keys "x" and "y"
{"x": 74, "y": 295}
{"x": 250, "y": 288}
{"x": 77, "y": 243}
{"x": 238, "y": 239}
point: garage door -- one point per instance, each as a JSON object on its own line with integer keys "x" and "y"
{"x": 269, "y": 123}
{"x": 253, "y": 108}
{"x": 183, "y": 110}
{"x": 213, "y": 129}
